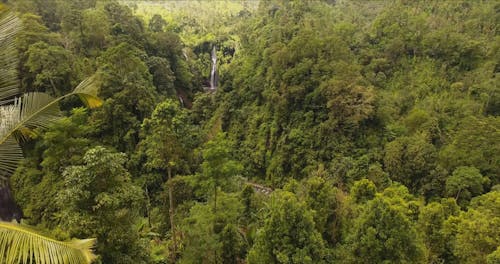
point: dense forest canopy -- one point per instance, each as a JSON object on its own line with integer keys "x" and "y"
{"x": 340, "y": 131}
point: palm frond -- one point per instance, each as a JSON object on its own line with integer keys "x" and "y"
{"x": 87, "y": 90}
{"x": 37, "y": 110}
{"x": 18, "y": 121}
{"x": 21, "y": 244}
{"x": 10, "y": 154}
{"x": 21, "y": 115}
{"x": 34, "y": 110}
{"x": 28, "y": 112}
{"x": 9, "y": 81}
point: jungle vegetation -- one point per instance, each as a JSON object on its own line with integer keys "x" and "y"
{"x": 340, "y": 131}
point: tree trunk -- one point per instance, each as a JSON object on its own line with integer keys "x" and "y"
{"x": 458, "y": 195}
{"x": 54, "y": 88}
{"x": 215, "y": 199}
{"x": 215, "y": 220}
{"x": 148, "y": 207}
{"x": 171, "y": 213}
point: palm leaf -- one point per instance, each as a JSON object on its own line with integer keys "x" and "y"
{"x": 87, "y": 90}
{"x": 34, "y": 110}
{"x": 21, "y": 115}
{"x": 21, "y": 244}
{"x": 9, "y": 82}
{"x": 18, "y": 118}
{"x": 11, "y": 154}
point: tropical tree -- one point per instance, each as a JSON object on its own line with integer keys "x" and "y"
{"x": 167, "y": 137}
{"x": 19, "y": 116}
{"x": 218, "y": 167}
{"x": 288, "y": 235}
{"x": 478, "y": 229}
{"x": 384, "y": 231}
{"x": 465, "y": 182}
{"x": 99, "y": 200}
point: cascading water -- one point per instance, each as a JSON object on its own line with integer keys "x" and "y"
{"x": 213, "y": 73}
{"x": 181, "y": 100}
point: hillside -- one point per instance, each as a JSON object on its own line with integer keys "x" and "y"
{"x": 325, "y": 132}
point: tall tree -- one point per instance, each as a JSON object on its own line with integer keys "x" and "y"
{"x": 465, "y": 183}
{"x": 409, "y": 160}
{"x": 478, "y": 229}
{"x": 431, "y": 222}
{"x": 129, "y": 96}
{"x": 219, "y": 167}
{"x": 288, "y": 234}
{"x": 383, "y": 233}
{"x": 99, "y": 199}
{"x": 51, "y": 66}
{"x": 167, "y": 143}
{"x": 210, "y": 237}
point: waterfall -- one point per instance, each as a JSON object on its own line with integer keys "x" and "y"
{"x": 213, "y": 73}
{"x": 181, "y": 101}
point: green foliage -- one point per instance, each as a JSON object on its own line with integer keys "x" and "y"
{"x": 196, "y": 22}
{"x": 322, "y": 198}
{"x": 94, "y": 31}
{"x": 494, "y": 257}
{"x": 157, "y": 23}
{"x": 347, "y": 102}
{"x": 465, "y": 183}
{"x": 21, "y": 244}
{"x": 219, "y": 168}
{"x": 363, "y": 190}
{"x": 213, "y": 236}
{"x": 302, "y": 91}
{"x": 167, "y": 137}
{"x": 474, "y": 145}
{"x": 365, "y": 113}
{"x": 163, "y": 77}
{"x": 288, "y": 234}
{"x": 431, "y": 222}
{"x": 39, "y": 178}
{"x": 477, "y": 230}
{"x": 129, "y": 95}
{"x": 98, "y": 199}
{"x": 409, "y": 160}
{"x": 384, "y": 234}
{"x": 249, "y": 204}
{"x": 232, "y": 245}
{"x": 51, "y": 66}
{"x": 378, "y": 176}
{"x": 124, "y": 26}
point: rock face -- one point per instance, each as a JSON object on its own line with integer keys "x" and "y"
{"x": 8, "y": 208}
